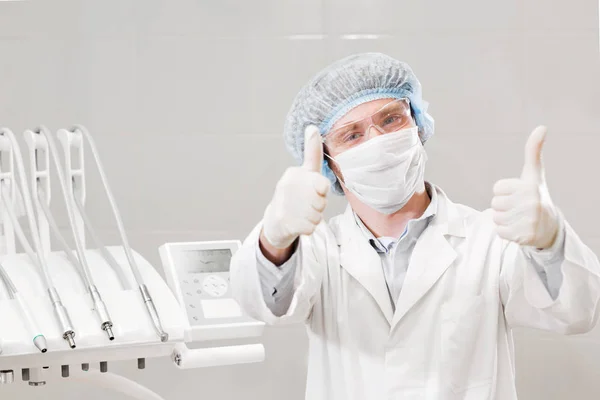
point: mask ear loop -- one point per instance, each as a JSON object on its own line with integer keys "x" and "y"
{"x": 325, "y": 152}
{"x": 332, "y": 159}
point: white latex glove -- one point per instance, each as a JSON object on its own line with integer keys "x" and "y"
{"x": 523, "y": 210}
{"x": 300, "y": 197}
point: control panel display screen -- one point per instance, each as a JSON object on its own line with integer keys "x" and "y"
{"x": 206, "y": 261}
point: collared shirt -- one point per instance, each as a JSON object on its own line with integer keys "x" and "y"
{"x": 395, "y": 253}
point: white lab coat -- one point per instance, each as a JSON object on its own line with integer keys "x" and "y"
{"x": 450, "y": 335}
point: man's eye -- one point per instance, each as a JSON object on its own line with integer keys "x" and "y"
{"x": 352, "y": 136}
{"x": 391, "y": 119}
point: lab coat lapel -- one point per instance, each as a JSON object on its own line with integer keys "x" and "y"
{"x": 431, "y": 256}
{"x": 361, "y": 261}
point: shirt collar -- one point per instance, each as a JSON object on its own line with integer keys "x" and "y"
{"x": 412, "y": 224}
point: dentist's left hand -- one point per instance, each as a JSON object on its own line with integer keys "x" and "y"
{"x": 523, "y": 210}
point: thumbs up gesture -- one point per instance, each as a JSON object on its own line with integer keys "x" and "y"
{"x": 523, "y": 210}
{"x": 300, "y": 197}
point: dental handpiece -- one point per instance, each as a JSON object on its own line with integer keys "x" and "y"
{"x": 60, "y": 311}
{"x": 145, "y": 293}
{"x": 38, "y": 338}
{"x": 100, "y": 308}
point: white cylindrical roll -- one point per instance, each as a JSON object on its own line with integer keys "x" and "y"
{"x": 217, "y": 356}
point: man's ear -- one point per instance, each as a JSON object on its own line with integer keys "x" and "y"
{"x": 332, "y": 165}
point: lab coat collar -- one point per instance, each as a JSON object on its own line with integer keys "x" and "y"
{"x": 360, "y": 259}
{"x": 445, "y": 215}
{"x": 416, "y": 225}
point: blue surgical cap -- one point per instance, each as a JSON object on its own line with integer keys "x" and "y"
{"x": 344, "y": 85}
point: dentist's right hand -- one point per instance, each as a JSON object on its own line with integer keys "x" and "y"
{"x": 300, "y": 197}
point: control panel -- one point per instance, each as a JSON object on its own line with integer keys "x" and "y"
{"x": 198, "y": 275}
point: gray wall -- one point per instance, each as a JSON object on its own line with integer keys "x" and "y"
{"x": 187, "y": 98}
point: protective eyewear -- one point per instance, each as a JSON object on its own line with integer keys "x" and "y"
{"x": 392, "y": 117}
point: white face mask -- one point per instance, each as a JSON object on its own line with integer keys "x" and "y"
{"x": 385, "y": 171}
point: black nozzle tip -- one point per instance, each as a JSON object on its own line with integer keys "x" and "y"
{"x": 44, "y": 350}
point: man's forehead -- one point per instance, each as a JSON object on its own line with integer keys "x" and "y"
{"x": 364, "y": 110}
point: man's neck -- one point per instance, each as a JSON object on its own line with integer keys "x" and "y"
{"x": 392, "y": 225}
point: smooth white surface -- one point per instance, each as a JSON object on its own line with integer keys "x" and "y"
{"x": 226, "y": 308}
{"x": 116, "y": 383}
{"x": 215, "y": 356}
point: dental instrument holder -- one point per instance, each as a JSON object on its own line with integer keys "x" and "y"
{"x": 126, "y": 304}
{"x": 66, "y": 139}
{"x": 40, "y": 177}
{"x": 134, "y": 331}
{"x": 7, "y": 167}
{"x": 39, "y": 165}
{"x": 72, "y": 144}
{"x": 8, "y": 248}
{"x": 68, "y": 185}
